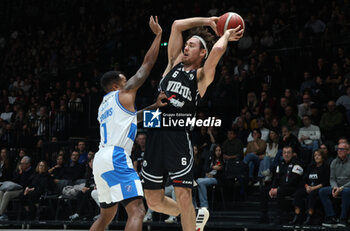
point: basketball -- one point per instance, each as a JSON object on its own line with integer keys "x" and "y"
{"x": 229, "y": 20}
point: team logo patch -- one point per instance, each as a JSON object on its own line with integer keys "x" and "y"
{"x": 128, "y": 188}
{"x": 144, "y": 163}
{"x": 152, "y": 119}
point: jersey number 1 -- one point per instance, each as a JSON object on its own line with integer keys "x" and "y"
{"x": 104, "y": 132}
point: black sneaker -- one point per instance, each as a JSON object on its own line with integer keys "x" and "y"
{"x": 296, "y": 220}
{"x": 307, "y": 220}
{"x": 342, "y": 223}
{"x": 330, "y": 222}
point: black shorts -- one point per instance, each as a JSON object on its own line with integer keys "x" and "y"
{"x": 168, "y": 153}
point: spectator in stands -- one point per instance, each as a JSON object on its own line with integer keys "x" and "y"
{"x": 255, "y": 152}
{"x": 291, "y": 98}
{"x": 275, "y": 125}
{"x": 268, "y": 115}
{"x": 252, "y": 101}
{"x": 202, "y": 139}
{"x": 288, "y": 139}
{"x": 212, "y": 177}
{"x": 215, "y": 136}
{"x": 282, "y": 106}
{"x": 315, "y": 114}
{"x": 288, "y": 112}
{"x": 265, "y": 173}
{"x": 285, "y": 182}
{"x": 241, "y": 132}
{"x": 55, "y": 171}
{"x": 232, "y": 148}
{"x": 39, "y": 185}
{"x": 6, "y": 168}
{"x": 71, "y": 174}
{"x": 263, "y": 130}
{"x": 85, "y": 194}
{"x": 60, "y": 122}
{"x": 309, "y": 135}
{"x": 293, "y": 125}
{"x": 339, "y": 188}
{"x": 315, "y": 177}
{"x": 333, "y": 81}
{"x": 249, "y": 121}
{"x": 22, "y": 177}
{"x": 265, "y": 102}
{"x": 332, "y": 122}
{"x": 305, "y": 107}
{"x": 7, "y": 114}
{"x": 83, "y": 154}
{"x": 138, "y": 153}
{"x": 344, "y": 100}
{"x": 308, "y": 83}
{"x": 315, "y": 25}
{"x": 7, "y": 138}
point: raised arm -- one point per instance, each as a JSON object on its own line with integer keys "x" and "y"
{"x": 206, "y": 74}
{"x": 175, "y": 43}
{"x": 150, "y": 59}
{"x": 128, "y": 94}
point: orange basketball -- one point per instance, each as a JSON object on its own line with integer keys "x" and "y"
{"x": 229, "y": 20}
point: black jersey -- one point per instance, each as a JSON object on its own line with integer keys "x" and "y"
{"x": 181, "y": 89}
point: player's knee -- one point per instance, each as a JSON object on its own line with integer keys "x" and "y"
{"x": 137, "y": 213}
{"x": 184, "y": 199}
{"x": 154, "y": 201}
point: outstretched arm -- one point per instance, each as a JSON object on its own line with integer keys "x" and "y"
{"x": 150, "y": 58}
{"x": 156, "y": 105}
{"x": 128, "y": 94}
{"x": 206, "y": 74}
{"x": 176, "y": 41}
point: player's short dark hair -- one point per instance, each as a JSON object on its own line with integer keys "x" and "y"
{"x": 203, "y": 32}
{"x": 109, "y": 78}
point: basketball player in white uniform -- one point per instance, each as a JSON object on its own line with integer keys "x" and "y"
{"x": 115, "y": 178}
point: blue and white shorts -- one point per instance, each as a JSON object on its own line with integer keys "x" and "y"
{"x": 115, "y": 178}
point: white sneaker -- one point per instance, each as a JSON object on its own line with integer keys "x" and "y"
{"x": 257, "y": 184}
{"x": 266, "y": 172}
{"x": 171, "y": 219}
{"x": 74, "y": 216}
{"x": 268, "y": 178}
{"x": 202, "y": 218}
{"x": 148, "y": 217}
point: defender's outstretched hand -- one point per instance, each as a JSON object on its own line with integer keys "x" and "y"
{"x": 154, "y": 25}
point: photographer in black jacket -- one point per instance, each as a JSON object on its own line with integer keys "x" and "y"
{"x": 286, "y": 180}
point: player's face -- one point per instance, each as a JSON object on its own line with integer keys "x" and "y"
{"x": 192, "y": 51}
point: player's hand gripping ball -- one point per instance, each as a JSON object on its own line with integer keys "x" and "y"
{"x": 228, "y": 21}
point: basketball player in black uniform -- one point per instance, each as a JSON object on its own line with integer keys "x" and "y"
{"x": 189, "y": 72}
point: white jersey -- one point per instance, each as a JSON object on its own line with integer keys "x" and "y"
{"x": 115, "y": 177}
{"x": 118, "y": 126}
